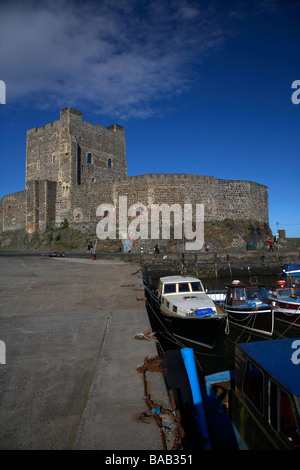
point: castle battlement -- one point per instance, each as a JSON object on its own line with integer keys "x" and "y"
{"x": 46, "y": 127}
{"x": 176, "y": 177}
{"x": 70, "y": 113}
{"x": 72, "y": 116}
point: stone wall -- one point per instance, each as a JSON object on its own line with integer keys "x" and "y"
{"x": 70, "y": 151}
{"x": 48, "y": 153}
{"x": 212, "y": 265}
{"x": 13, "y": 210}
{"x": 222, "y": 199}
{"x": 100, "y": 153}
{"x": 40, "y": 205}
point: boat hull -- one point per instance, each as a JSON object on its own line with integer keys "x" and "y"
{"x": 260, "y": 321}
{"x": 287, "y": 314}
{"x": 286, "y": 311}
{"x": 193, "y": 331}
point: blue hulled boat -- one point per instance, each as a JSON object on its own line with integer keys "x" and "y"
{"x": 247, "y": 307}
{"x": 285, "y": 296}
{"x": 263, "y": 393}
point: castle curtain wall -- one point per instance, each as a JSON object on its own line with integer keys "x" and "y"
{"x": 13, "y": 210}
{"x": 221, "y": 198}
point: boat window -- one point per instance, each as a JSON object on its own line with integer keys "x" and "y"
{"x": 174, "y": 309}
{"x": 284, "y": 292}
{"x": 288, "y": 426}
{"x": 262, "y": 293}
{"x": 229, "y": 296}
{"x": 251, "y": 294}
{"x": 273, "y": 405}
{"x": 183, "y": 287}
{"x": 253, "y": 385}
{"x": 169, "y": 288}
{"x": 239, "y": 294}
{"x": 196, "y": 287}
{"x": 296, "y": 281}
{"x": 297, "y": 291}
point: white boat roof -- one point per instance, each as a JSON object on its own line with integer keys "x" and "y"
{"x": 187, "y": 301}
{"x": 173, "y": 279}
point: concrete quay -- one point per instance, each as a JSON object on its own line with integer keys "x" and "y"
{"x": 70, "y": 378}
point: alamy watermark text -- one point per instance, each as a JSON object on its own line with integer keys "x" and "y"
{"x": 138, "y": 227}
{"x": 2, "y": 352}
{"x": 2, "y": 92}
{"x": 296, "y": 94}
{"x": 296, "y": 354}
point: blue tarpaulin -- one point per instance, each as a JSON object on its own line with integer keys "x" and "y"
{"x": 203, "y": 311}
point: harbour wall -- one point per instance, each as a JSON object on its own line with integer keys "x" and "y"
{"x": 212, "y": 264}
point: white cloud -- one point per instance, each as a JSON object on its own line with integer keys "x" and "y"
{"x": 119, "y": 55}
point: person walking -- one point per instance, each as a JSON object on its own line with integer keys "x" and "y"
{"x": 156, "y": 249}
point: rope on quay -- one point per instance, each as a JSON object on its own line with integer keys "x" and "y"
{"x": 156, "y": 411}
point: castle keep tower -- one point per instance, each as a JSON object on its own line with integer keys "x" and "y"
{"x": 63, "y": 155}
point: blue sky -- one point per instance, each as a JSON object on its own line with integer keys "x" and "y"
{"x": 201, "y": 87}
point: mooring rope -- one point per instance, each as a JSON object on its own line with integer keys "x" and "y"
{"x": 155, "y": 411}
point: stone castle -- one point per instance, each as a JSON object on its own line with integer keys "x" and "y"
{"x": 73, "y": 166}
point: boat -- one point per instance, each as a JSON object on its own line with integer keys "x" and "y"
{"x": 291, "y": 269}
{"x": 285, "y": 298}
{"x": 180, "y": 309}
{"x": 262, "y": 393}
{"x": 247, "y": 306}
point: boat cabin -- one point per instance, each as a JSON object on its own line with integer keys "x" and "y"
{"x": 239, "y": 294}
{"x": 179, "y": 285}
{"x": 184, "y": 296}
{"x": 291, "y": 273}
{"x": 285, "y": 289}
{"x": 266, "y": 396}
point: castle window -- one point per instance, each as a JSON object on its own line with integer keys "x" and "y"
{"x": 89, "y": 158}
{"x": 109, "y": 163}
{"x": 65, "y": 190}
